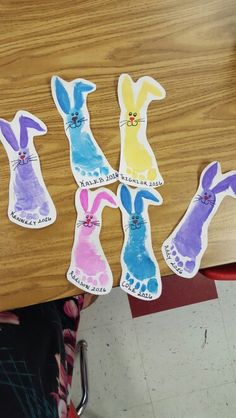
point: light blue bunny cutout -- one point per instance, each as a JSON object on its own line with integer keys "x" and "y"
{"x": 140, "y": 275}
{"x": 88, "y": 163}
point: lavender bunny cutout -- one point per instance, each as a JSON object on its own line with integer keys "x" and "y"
{"x": 184, "y": 248}
{"x": 89, "y": 268}
{"x": 140, "y": 271}
{"x": 30, "y": 204}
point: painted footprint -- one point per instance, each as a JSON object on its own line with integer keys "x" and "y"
{"x": 182, "y": 265}
{"x": 149, "y": 175}
{"x": 140, "y": 271}
{"x": 100, "y": 279}
{"x": 184, "y": 248}
{"x": 143, "y": 289}
{"x": 88, "y": 163}
{"x": 102, "y": 171}
{"x": 89, "y": 268}
{"x": 32, "y": 215}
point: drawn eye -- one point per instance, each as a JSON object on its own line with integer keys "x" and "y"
{"x": 133, "y": 217}
{"x": 76, "y": 113}
{"x": 87, "y": 216}
{"x": 19, "y": 153}
{"x": 24, "y": 153}
{"x": 72, "y": 114}
{"x": 137, "y": 217}
{"x": 135, "y": 114}
{"x": 91, "y": 217}
{"x": 130, "y": 113}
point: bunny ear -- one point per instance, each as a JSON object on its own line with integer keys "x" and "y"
{"x": 150, "y": 90}
{"x": 29, "y": 122}
{"x": 104, "y": 195}
{"x": 225, "y": 184}
{"x": 208, "y": 175}
{"x": 138, "y": 202}
{"x": 125, "y": 198}
{"x": 9, "y": 134}
{"x": 126, "y": 92}
{"x": 84, "y": 199}
{"x": 79, "y": 89}
{"x": 61, "y": 95}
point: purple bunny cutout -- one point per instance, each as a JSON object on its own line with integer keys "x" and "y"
{"x": 184, "y": 248}
{"x": 30, "y": 204}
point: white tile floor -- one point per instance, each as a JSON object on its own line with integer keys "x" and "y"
{"x": 160, "y": 366}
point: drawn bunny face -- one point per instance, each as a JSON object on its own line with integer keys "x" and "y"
{"x": 136, "y": 220}
{"x": 89, "y": 223}
{"x": 90, "y": 219}
{"x": 23, "y": 157}
{"x": 207, "y": 197}
{"x": 73, "y": 114}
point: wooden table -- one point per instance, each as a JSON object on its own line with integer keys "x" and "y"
{"x": 189, "y": 47}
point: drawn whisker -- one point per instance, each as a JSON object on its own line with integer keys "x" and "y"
{"x": 123, "y": 123}
{"x": 16, "y": 166}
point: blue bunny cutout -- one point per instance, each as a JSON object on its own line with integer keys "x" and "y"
{"x": 140, "y": 271}
{"x": 88, "y": 163}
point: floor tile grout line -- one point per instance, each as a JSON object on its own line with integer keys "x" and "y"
{"x": 195, "y": 390}
{"x": 153, "y": 410}
{"x": 139, "y": 349}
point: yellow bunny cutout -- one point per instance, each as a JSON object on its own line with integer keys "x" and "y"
{"x": 138, "y": 164}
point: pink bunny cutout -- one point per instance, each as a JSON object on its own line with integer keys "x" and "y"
{"x": 89, "y": 269}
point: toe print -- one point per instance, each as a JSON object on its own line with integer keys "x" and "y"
{"x": 181, "y": 265}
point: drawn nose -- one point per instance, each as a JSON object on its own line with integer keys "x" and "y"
{"x": 135, "y": 221}
{"x": 74, "y": 118}
{"x": 22, "y": 157}
{"x": 131, "y": 118}
{"x": 205, "y": 197}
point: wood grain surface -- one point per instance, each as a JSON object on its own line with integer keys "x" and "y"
{"x": 189, "y": 47}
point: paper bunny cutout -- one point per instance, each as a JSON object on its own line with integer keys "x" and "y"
{"x": 138, "y": 166}
{"x": 140, "y": 271}
{"x": 30, "y": 204}
{"x": 88, "y": 163}
{"x": 184, "y": 248}
{"x": 89, "y": 268}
